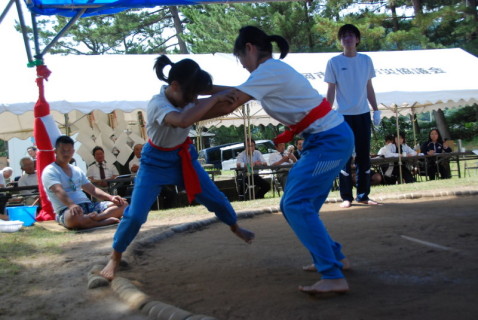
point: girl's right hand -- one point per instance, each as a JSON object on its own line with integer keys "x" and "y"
{"x": 226, "y": 96}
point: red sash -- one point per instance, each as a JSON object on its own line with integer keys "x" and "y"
{"x": 190, "y": 176}
{"x": 318, "y": 112}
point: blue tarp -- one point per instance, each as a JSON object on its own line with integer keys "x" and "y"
{"x": 70, "y": 8}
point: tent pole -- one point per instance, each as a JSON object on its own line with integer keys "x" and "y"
{"x": 414, "y": 120}
{"x": 67, "y": 125}
{"x": 398, "y": 146}
{"x": 62, "y": 31}
{"x": 24, "y": 31}
{"x": 250, "y": 164}
{"x": 5, "y": 11}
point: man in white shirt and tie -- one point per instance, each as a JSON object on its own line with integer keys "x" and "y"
{"x": 99, "y": 172}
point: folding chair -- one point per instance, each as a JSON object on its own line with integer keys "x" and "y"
{"x": 470, "y": 167}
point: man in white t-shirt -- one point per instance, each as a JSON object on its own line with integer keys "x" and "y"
{"x": 5, "y": 174}
{"x": 134, "y": 163}
{"x": 257, "y": 159}
{"x": 282, "y": 158}
{"x": 64, "y": 185}
{"x": 349, "y": 77}
{"x": 29, "y": 178}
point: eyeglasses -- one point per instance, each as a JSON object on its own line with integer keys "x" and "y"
{"x": 72, "y": 185}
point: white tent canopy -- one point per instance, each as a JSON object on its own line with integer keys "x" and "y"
{"x": 422, "y": 79}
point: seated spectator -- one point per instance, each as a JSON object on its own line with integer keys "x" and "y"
{"x": 29, "y": 178}
{"x": 32, "y": 152}
{"x": 387, "y": 148}
{"x": 99, "y": 172}
{"x": 134, "y": 163}
{"x": 392, "y": 170}
{"x": 281, "y": 158}
{"x": 64, "y": 185}
{"x": 298, "y": 148}
{"x": 243, "y": 159}
{"x": 5, "y": 175}
{"x": 436, "y": 145}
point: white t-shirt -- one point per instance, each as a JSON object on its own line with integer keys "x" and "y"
{"x": 286, "y": 95}
{"x": 28, "y": 180}
{"x": 390, "y": 151}
{"x": 54, "y": 174}
{"x": 350, "y": 75}
{"x": 134, "y": 161}
{"x": 256, "y": 156}
{"x": 163, "y": 135}
{"x": 276, "y": 156}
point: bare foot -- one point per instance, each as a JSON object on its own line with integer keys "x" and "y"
{"x": 346, "y": 204}
{"x": 370, "y": 202}
{"x": 326, "y": 286}
{"x": 311, "y": 267}
{"x": 345, "y": 264}
{"x": 242, "y": 233}
{"x": 112, "y": 266}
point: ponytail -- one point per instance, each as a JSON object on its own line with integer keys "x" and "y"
{"x": 161, "y": 62}
{"x": 282, "y": 44}
{"x": 261, "y": 40}
{"x": 192, "y": 79}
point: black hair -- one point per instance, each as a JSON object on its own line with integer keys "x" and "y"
{"x": 189, "y": 75}
{"x": 346, "y": 28}
{"x": 64, "y": 140}
{"x": 247, "y": 142}
{"x": 402, "y": 135}
{"x": 389, "y": 137}
{"x": 440, "y": 138}
{"x": 32, "y": 148}
{"x": 96, "y": 149}
{"x": 261, "y": 40}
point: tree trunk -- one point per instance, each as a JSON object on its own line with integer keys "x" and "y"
{"x": 441, "y": 123}
{"x": 417, "y": 7}
{"x": 473, "y": 13}
{"x": 179, "y": 29}
{"x": 309, "y": 34}
{"x": 393, "y": 9}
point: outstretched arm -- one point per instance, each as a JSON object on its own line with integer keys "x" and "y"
{"x": 226, "y": 107}
{"x": 61, "y": 194}
{"x": 100, "y": 194}
{"x": 187, "y": 117}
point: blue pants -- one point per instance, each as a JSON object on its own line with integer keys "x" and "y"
{"x": 159, "y": 168}
{"x": 307, "y": 187}
{"x": 361, "y": 126}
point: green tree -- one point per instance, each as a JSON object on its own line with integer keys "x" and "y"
{"x": 129, "y": 32}
{"x": 213, "y": 28}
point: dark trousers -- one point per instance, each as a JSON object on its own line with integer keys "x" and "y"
{"x": 260, "y": 189}
{"x": 361, "y": 127}
{"x": 443, "y": 166}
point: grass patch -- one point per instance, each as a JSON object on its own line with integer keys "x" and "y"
{"x": 27, "y": 242}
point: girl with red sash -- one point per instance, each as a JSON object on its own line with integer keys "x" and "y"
{"x": 287, "y": 96}
{"x": 169, "y": 158}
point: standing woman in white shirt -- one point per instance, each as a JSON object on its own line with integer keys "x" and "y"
{"x": 287, "y": 96}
